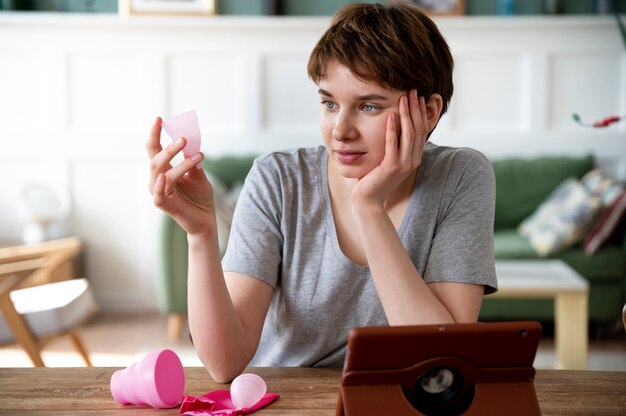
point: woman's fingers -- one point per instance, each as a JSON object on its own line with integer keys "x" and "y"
{"x": 423, "y": 111}
{"x": 165, "y": 182}
{"x": 419, "y": 121}
{"x": 423, "y": 129}
{"x": 153, "y": 145}
{"x": 158, "y": 191}
{"x": 160, "y": 163}
{"x": 174, "y": 174}
{"x": 407, "y": 139}
{"x": 391, "y": 139}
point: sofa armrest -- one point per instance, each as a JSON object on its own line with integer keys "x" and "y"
{"x": 173, "y": 267}
{"x": 173, "y": 249}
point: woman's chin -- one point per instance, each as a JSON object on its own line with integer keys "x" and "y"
{"x": 351, "y": 172}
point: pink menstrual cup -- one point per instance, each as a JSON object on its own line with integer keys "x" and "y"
{"x": 246, "y": 390}
{"x": 158, "y": 380}
{"x": 185, "y": 125}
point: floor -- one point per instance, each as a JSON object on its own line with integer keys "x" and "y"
{"x": 112, "y": 341}
{"x": 120, "y": 340}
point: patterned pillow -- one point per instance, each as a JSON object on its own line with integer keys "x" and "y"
{"x": 562, "y": 219}
{"x": 602, "y": 185}
{"x": 225, "y": 201}
{"x": 609, "y": 220}
{"x": 613, "y": 198}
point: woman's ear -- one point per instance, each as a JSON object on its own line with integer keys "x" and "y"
{"x": 433, "y": 110}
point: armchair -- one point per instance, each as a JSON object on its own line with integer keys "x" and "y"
{"x": 39, "y": 300}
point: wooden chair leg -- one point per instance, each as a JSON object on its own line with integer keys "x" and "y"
{"x": 80, "y": 346}
{"x": 20, "y": 330}
{"x": 175, "y": 326}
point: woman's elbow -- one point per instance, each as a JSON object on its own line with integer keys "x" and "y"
{"x": 223, "y": 371}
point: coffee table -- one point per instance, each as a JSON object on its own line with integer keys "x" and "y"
{"x": 570, "y": 291}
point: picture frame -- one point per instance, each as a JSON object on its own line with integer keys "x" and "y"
{"x": 167, "y": 7}
{"x": 441, "y": 7}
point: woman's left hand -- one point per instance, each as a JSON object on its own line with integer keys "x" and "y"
{"x": 403, "y": 152}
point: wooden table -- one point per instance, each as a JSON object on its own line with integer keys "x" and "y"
{"x": 570, "y": 291}
{"x": 304, "y": 391}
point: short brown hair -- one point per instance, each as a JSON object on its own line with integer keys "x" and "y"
{"x": 395, "y": 45}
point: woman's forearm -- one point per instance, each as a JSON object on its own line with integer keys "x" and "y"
{"x": 219, "y": 336}
{"x": 405, "y": 297}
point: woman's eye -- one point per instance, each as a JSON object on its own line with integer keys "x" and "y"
{"x": 328, "y": 104}
{"x": 368, "y": 108}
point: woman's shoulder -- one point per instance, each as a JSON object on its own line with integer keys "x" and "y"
{"x": 460, "y": 154}
{"x": 456, "y": 158}
{"x": 298, "y": 161}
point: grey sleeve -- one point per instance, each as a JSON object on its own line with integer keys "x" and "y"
{"x": 255, "y": 242}
{"x": 462, "y": 247}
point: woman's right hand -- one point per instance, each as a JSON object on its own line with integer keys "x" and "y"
{"x": 182, "y": 191}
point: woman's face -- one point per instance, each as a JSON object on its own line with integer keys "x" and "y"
{"x": 353, "y": 120}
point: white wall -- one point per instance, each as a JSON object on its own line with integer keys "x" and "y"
{"x": 78, "y": 94}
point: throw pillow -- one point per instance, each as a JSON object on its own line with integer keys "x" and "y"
{"x": 605, "y": 225}
{"x": 561, "y": 220}
{"x": 602, "y": 185}
{"x": 225, "y": 200}
{"x": 611, "y": 193}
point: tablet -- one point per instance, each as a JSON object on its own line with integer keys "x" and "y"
{"x": 477, "y": 368}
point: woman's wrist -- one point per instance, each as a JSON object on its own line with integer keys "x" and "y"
{"x": 201, "y": 239}
{"x": 367, "y": 209}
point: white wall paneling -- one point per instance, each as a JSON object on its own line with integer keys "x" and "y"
{"x": 491, "y": 93}
{"x": 213, "y": 85}
{"x": 78, "y": 94}
{"x": 291, "y": 99}
{"x": 595, "y": 74}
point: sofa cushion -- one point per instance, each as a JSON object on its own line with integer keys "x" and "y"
{"x": 606, "y": 187}
{"x": 607, "y": 264}
{"x": 225, "y": 200}
{"x": 522, "y": 184}
{"x": 613, "y": 196}
{"x": 606, "y": 225}
{"x": 510, "y": 245}
{"x": 562, "y": 219}
{"x": 229, "y": 169}
{"x": 226, "y": 174}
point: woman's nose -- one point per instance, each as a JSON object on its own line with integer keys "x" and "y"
{"x": 344, "y": 128}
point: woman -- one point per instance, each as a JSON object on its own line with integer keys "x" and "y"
{"x": 376, "y": 227}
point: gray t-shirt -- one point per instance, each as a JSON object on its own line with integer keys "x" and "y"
{"x": 283, "y": 233}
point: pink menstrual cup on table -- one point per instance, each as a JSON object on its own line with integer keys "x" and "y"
{"x": 185, "y": 125}
{"x": 158, "y": 380}
{"x": 246, "y": 390}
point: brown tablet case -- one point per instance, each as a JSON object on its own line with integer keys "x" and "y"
{"x": 456, "y": 369}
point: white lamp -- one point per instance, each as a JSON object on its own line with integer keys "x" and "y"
{"x": 41, "y": 208}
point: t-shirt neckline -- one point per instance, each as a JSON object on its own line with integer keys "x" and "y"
{"x": 330, "y": 218}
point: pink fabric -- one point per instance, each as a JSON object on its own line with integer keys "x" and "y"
{"x": 218, "y": 403}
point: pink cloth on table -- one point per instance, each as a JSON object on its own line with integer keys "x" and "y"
{"x": 218, "y": 403}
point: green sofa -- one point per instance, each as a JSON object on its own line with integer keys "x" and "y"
{"x": 522, "y": 184}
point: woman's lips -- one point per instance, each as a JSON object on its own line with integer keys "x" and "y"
{"x": 348, "y": 157}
